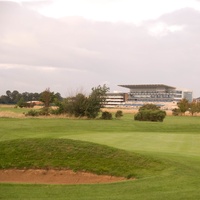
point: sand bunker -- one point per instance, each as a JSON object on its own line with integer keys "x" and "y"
{"x": 40, "y": 176}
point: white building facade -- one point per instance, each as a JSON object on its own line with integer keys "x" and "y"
{"x": 157, "y": 93}
{"x": 162, "y": 95}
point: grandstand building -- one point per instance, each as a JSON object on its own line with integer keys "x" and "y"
{"x": 115, "y": 99}
{"x": 159, "y": 94}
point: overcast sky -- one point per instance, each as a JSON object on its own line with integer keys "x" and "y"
{"x": 72, "y": 45}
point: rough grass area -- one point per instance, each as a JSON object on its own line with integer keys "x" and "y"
{"x": 75, "y": 155}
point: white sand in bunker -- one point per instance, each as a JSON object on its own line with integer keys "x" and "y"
{"x": 40, "y": 176}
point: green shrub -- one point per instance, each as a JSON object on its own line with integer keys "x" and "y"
{"x": 56, "y": 111}
{"x": 150, "y": 115}
{"x": 106, "y": 115}
{"x": 149, "y": 106}
{"x": 45, "y": 111}
{"x": 176, "y": 112}
{"x": 118, "y": 114}
{"x": 32, "y": 113}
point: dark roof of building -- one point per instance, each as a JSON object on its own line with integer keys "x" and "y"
{"x": 147, "y": 86}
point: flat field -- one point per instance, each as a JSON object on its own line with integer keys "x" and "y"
{"x": 173, "y": 145}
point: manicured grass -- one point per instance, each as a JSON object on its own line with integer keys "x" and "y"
{"x": 49, "y": 127}
{"x": 76, "y": 155}
{"x": 175, "y": 135}
{"x": 173, "y": 143}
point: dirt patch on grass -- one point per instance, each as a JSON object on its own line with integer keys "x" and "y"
{"x": 40, "y": 176}
{"x": 124, "y": 110}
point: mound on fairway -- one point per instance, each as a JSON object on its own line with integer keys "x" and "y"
{"x": 76, "y": 156}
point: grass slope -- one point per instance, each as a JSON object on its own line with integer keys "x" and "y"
{"x": 75, "y": 155}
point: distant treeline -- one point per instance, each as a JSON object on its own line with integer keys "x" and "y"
{"x": 15, "y": 96}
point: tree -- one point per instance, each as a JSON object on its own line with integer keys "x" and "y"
{"x": 198, "y": 107}
{"x": 25, "y": 96}
{"x": 31, "y": 96}
{"x": 9, "y": 94}
{"x": 5, "y": 99}
{"x": 78, "y": 105}
{"x": 8, "y": 97}
{"x": 96, "y": 101}
{"x": 58, "y": 96}
{"x": 81, "y": 106}
{"x": 15, "y": 96}
{"x": 47, "y": 97}
{"x": 194, "y": 107}
{"x": 183, "y": 105}
{"x": 21, "y": 102}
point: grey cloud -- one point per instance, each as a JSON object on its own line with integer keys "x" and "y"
{"x": 187, "y": 16}
{"x": 98, "y": 52}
